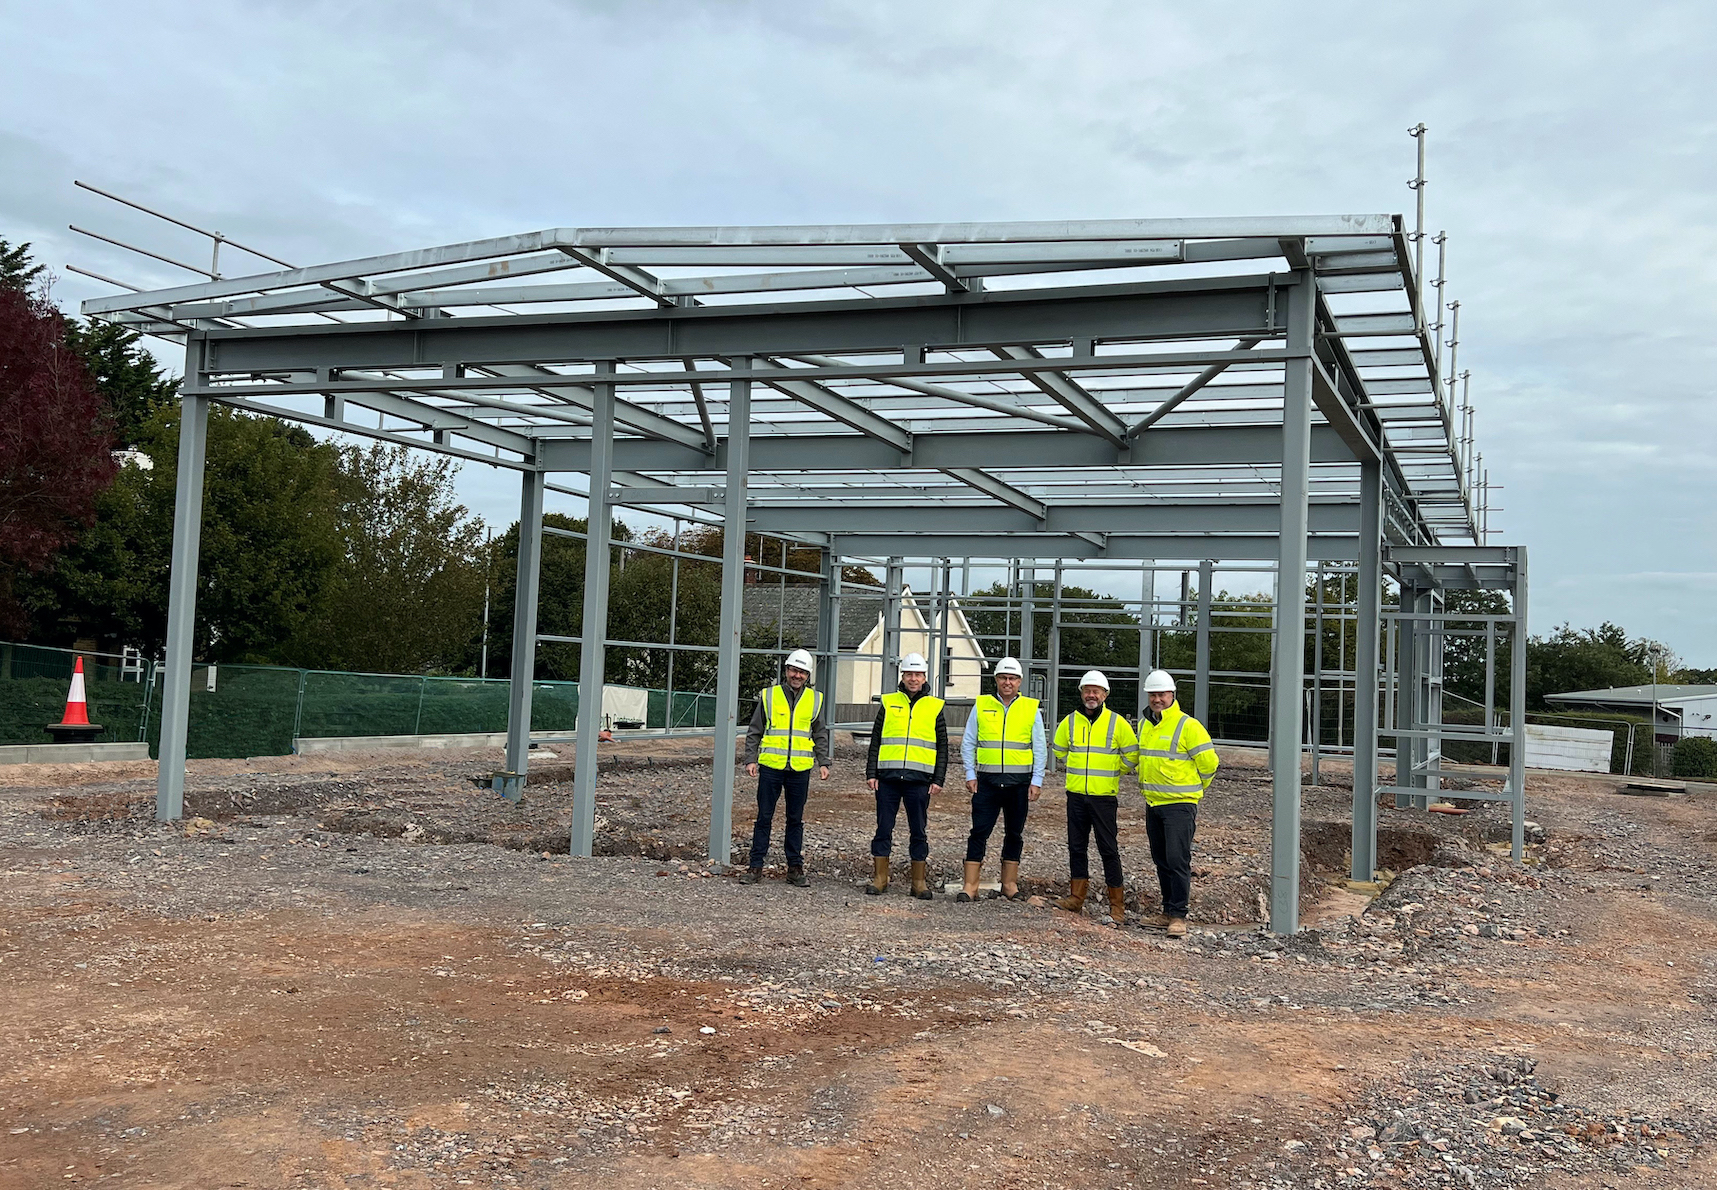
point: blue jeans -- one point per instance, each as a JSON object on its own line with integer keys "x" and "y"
{"x": 771, "y": 783}
{"x": 891, "y": 792}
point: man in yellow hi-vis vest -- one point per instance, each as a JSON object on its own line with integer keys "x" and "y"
{"x": 908, "y": 762}
{"x": 788, "y": 736}
{"x": 1005, "y": 753}
{"x": 1177, "y": 762}
{"x": 1094, "y": 744}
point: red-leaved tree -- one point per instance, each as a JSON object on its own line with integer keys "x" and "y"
{"x": 55, "y": 441}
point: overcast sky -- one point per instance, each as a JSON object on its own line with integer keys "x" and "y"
{"x": 1572, "y": 157}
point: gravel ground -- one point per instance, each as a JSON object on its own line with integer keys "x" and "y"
{"x": 374, "y": 973}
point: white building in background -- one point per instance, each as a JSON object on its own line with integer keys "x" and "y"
{"x": 860, "y": 678}
{"x": 1681, "y": 710}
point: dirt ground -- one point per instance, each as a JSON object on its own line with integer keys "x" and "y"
{"x": 367, "y": 971}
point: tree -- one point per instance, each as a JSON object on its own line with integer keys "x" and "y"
{"x": 55, "y": 436}
{"x": 17, "y": 270}
{"x": 128, "y": 378}
{"x": 270, "y": 542}
{"x": 1583, "y": 659}
{"x": 406, "y": 595}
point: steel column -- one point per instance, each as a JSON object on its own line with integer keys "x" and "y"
{"x": 593, "y": 633}
{"x": 828, "y": 626}
{"x": 1406, "y": 693}
{"x": 1147, "y": 627}
{"x": 1054, "y": 691}
{"x": 732, "y": 619}
{"x": 1517, "y": 710}
{"x": 1288, "y": 665}
{"x": 182, "y": 596}
{"x": 511, "y": 783}
{"x": 892, "y": 584}
{"x": 1201, "y": 637}
{"x": 1368, "y": 610}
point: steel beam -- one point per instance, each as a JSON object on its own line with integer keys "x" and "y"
{"x": 988, "y": 484}
{"x": 593, "y": 628}
{"x": 523, "y": 674}
{"x": 1072, "y": 396}
{"x": 892, "y": 599}
{"x": 992, "y": 450}
{"x": 182, "y": 597}
{"x": 832, "y": 405}
{"x": 885, "y": 513}
{"x": 1288, "y": 663}
{"x": 1120, "y": 547}
{"x": 737, "y": 452}
{"x": 1367, "y": 610}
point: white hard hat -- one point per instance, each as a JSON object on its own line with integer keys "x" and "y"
{"x": 1007, "y": 665}
{"x": 1158, "y": 680}
{"x": 799, "y": 659}
{"x": 1094, "y": 678}
{"x": 913, "y": 663}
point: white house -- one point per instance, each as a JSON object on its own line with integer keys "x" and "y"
{"x": 860, "y": 677}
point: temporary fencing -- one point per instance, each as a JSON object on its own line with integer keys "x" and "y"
{"x": 258, "y": 710}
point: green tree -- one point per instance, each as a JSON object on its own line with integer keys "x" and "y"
{"x": 1570, "y": 659}
{"x": 128, "y": 378}
{"x": 407, "y": 593}
{"x": 18, "y": 269}
{"x": 270, "y": 543}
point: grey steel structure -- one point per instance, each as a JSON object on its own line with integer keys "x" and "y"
{"x": 1169, "y": 392}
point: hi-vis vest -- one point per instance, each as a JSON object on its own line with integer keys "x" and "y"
{"x": 908, "y": 733}
{"x": 1004, "y": 735}
{"x": 1095, "y": 752}
{"x": 787, "y": 742}
{"x": 1176, "y": 758}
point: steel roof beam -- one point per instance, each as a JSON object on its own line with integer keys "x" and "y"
{"x": 928, "y": 258}
{"x": 1167, "y": 446}
{"x": 1160, "y": 518}
{"x": 1189, "y": 388}
{"x": 1116, "y": 546}
{"x": 1076, "y": 400}
{"x": 640, "y": 282}
{"x": 988, "y": 484}
{"x": 833, "y": 405}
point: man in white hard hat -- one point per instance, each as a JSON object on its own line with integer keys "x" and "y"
{"x": 1095, "y": 745}
{"x": 1177, "y": 762}
{"x": 907, "y": 764}
{"x": 1005, "y": 750}
{"x": 788, "y": 736}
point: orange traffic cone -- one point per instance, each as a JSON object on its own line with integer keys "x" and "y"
{"x": 77, "y": 706}
{"x": 75, "y": 727}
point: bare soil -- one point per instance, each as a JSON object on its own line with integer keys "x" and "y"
{"x": 357, "y": 970}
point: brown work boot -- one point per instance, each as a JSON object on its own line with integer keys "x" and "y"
{"x": 1010, "y": 880}
{"x": 921, "y": 879}
{"x": 878, "y": 877}
{"x": 1159, "y": 922}
{"x": 1177, "y": 927}
{"x": 1117, "y": 905}
{"x": 969, "y": 882}
{"x": 1074, "y": 901}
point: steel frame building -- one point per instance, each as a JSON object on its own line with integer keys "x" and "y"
{"x": 1258, "y": 390}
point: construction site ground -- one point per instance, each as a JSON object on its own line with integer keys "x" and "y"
{"x": 365, "y": 970}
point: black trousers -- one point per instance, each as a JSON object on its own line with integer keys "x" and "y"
{"x": 1170, "y": 829}
{"x": 1087, "y": 813}
{"x": 1011, "y": 802}
{"x": 891, "y": 793}
{"x": 771, "y": 784}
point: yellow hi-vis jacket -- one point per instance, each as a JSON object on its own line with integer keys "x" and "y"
{"x": 787, "y": 742}
{"x": 1004, "y": 734}
{"x": 1095, "y": 751}
{"x": 908, "y": 732}
{"x": 1177, "y": 761}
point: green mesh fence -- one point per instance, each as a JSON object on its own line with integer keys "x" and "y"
{"x": 258, "y": 710}
{"x": 34, "y": 682}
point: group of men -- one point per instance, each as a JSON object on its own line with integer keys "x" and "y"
{"x": 1005, "y": 752}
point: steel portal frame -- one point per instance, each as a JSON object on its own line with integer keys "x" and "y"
{"x": 1196, "y": 389}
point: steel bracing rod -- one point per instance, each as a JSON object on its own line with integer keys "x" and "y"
{"x": 1077, "y": 401}
{"x": 579, "y": 393}
{"x": 977, "y": 400}
{"x": 432, "y": 418}
{"x": 376, "y": 432}
{"x": 787, "y": 236}
{"x": 833, "y": 405}
{"x": 1186, "y": 390}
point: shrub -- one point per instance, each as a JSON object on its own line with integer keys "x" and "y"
{"x": 1696, "y": 756}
